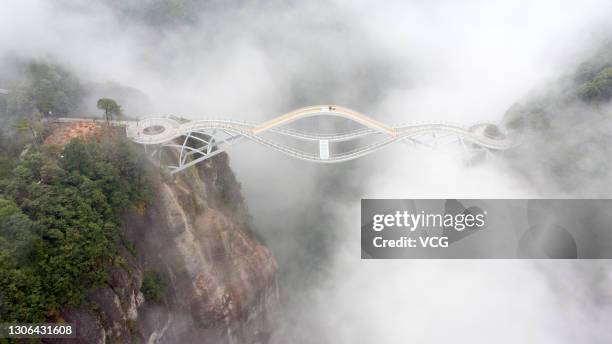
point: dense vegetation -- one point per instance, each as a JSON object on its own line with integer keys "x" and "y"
{"x": 565, "y": 131}
{"x": 589, "y": 87}
{"x": 59, "y": 224}
{"x": 59, "y": 206}
{"x": 599, "y": 88}
{"x": 153, "y": 287}
{"x": 59, "y": 227}
{"x": 39, "y": 89}
{"x": 593, "y": 79}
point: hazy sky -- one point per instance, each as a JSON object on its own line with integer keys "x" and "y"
{"x": 462, "y": 61}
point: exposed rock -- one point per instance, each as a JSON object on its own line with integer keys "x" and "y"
{"x": 221, "y": 282}
{"x": 90, "y": 329}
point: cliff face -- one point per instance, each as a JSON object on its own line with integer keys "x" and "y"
{"x": 220, "y": 281}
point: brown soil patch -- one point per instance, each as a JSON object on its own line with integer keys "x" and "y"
{"x": 62, "y": 133}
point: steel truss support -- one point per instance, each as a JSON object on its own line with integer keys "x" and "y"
{"x": 194, "y": 142}
{"x": 197, "y": 146}
{"x": 432, "y": 141}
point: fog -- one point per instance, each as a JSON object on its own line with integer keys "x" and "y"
{"x": 399, "y": 62}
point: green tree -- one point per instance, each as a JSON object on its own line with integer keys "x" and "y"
{"x": 7, "y": 155}
{"x": 59, "y": 224}
{"x": 77, "y": 157}
{"x": 54, "y": 91}
{"x": 110, "y": 107}
{"x": 16, "y": 230}
{"x": 31, "y": 125}
{"x": 153, "y": 287}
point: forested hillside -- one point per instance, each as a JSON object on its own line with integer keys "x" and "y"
{"x": 89, "y": 237}
{"x": 37, "y": 89}
{"x": 564, "y": 131}
{"x": 59, "y": 205}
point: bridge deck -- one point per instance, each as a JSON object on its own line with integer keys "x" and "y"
{"x": 164, "y": 131}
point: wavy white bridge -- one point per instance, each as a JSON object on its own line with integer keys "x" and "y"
{"x": 196, "y": 141}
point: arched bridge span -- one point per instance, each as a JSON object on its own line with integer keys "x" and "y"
{"x": 198, "y": 140}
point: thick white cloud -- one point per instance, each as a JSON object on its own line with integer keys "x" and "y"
{"x": 400, "y": 62}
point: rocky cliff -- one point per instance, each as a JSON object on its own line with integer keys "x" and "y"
{"x": 220, "y": 281}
